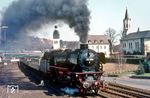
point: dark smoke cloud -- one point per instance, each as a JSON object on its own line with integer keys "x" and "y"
{"x": 32, "y": 14}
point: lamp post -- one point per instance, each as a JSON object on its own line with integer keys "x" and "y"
{"x": 3, "y": 27}
{"x": 4, "y": 36}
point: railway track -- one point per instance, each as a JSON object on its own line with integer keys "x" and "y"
{"x": 122, "y": 91}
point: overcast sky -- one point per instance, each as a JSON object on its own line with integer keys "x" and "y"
{"x": 104, "y": 14}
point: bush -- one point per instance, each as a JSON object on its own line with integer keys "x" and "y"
{"x": 140, "y": 70}
{"x": 146, "y": 66}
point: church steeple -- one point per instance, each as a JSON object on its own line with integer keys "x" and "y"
{"x": 56, "y": 39}
{"x": 126, "y": 24}
{"x": 126, "y": 14}
{"x": 56, "y": 33}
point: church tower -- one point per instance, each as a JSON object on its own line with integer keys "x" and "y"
{"x": 126, "y": 24}
{"x": 56, "y": 39}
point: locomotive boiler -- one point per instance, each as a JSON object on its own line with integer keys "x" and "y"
{"x": 81, "y": 68}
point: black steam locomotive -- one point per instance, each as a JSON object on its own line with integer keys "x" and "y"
{"x": 81, "y": 68}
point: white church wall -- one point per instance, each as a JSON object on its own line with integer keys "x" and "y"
{"x": 131, "y": 45}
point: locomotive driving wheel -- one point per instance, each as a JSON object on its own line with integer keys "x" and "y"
{"x": 96, "y": 91}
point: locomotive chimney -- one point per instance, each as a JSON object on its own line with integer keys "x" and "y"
{"x": 83, "y": 46}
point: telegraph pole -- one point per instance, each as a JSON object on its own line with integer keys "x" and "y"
{"x": 3, "y": 36}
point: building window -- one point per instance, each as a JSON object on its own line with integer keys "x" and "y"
{"x": 101, "y": 47}
{"x": 104, "y": 47}
{"x": 101, "y": 41}
{"x": 131, "y": 45}
{"x": 55, "y": 42}
{"x": 137, "y": 45}
{"x": 97, "y": 48}
{"x": 124, "y": 45}
{"x": 89, "y": 41}
{"x": 92, "y": 47}
{"x": 95, "y": 41}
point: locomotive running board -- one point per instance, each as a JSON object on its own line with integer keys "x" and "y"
{"x": 81, "y": 73}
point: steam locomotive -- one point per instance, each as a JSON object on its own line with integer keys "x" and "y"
{"x": 81, "y": 68}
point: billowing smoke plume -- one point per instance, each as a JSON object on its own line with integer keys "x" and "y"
{"x": 32, "y": 14}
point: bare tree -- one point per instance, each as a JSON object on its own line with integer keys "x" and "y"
{"x": 112, "y": 37}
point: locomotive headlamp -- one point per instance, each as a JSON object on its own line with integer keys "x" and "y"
{"x": 100, "y": 66}
{"x": 89, "y": 61}
{"x": 76, "y": 75}
{"x": 96, "y": 83}
{"x": 105, "y": 84}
